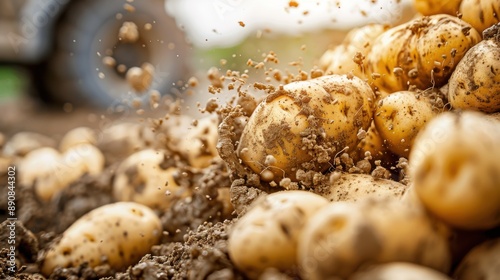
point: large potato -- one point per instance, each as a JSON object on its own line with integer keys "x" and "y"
{"x": 399, "y": 117}
{"x": 342, "y": 236}
{"x": 482, "y": 262}
{"x": 266, "y": 236}
{"x": 455, "y": 169}
{"x": 354, "y": 187}
{"x": 142, "y": 178}
{"x": 422, "y": 52}
{"x": 481, "y": 14}
{"x": 399, "y": 271}
{"x": 475, "y": 83}
{"x": 304, "y": 124}
{"x": 118, "y": 234}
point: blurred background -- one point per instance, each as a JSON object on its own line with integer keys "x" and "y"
{"x": 67, "y": 63}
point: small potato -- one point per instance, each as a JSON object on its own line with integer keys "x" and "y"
{"x": 475, "y": 83}
{"x": 481, "y": 14}
{"x": 21, "y": 143}
{"x": 342, "y": 236}
{"x": 354, "y": 187}
{"x": 422, "y": 52}
{"x": 399, "y": 117}
{"x": 199, "y": 144}
{"x": 266, "y": 236}
{"x": 84, "y": 157}
{"x": 142, "y": 178}
{"x": 38, "y": 163}
{"x": 399, "y": 271}
{"x": 455, "y": 169}
{"x": 482, "y": 262}
{"x": 304, "y": 124}
{"x": 118, "y": 234}
{"x": 434, "y": 7}
{"x": 77, "y": 136}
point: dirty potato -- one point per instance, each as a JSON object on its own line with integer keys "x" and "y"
{"x": 399, "y": 117}
{"x": 482, "y": 262}
{"x": 475, "y": 83}
{"x": 455, "y": 169}
{"x": 353, "y": 187}
{"x": 266, "y": 236}
{"x": 481, "y": 14}
{"x": 422, "y": 52}
{"x": 142, "y": 178}
{"x": 349, "y": 57}
{"x": 399, "y": 271}
{"x": 198, "y": 145}
{"x": 304, "y": 124}
{"x": 342, "y": 236}
{"x": 77, "y": 136}
{"x": 117, "y": 234}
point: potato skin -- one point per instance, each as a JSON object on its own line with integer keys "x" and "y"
{"x": 266, "y": 236}
{"x": 482, "y": 262}
{"x": 304, "y": 124}
{"x": 342, "y": 236}
{"x": 475, "y": 83}
{"x": 455, "y": 169}
{"x": 422, "y": 52}
{"x": 118, "y": 234}
{"x": 400, "y": 271}
{"x": 399, "y": 117}
{"x": 355, "y": 187}
{"x": 481, "y": 14}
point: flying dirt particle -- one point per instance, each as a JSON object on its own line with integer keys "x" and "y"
{"x": 148, "y": 26}
{"x": 128, "y": 33}
{"x": 242, "y": 24}
{"x": 109, "y": 61}
{"x": 293, "y": 4}
{"x": 129, "y": 8}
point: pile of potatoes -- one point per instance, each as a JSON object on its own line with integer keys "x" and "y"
{"x": 422, "y": 98}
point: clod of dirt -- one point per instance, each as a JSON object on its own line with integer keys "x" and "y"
{"x": 128, "y": 33}
{"x": 140, "y": 79}
{"x": 26, "y": 248}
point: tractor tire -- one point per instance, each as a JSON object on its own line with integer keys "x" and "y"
{"x": 88, "y": 32}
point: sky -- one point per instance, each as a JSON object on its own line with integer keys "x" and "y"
{"x": 225, "y": 23}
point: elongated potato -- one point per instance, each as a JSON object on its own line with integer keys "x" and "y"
{"x": 304, "y": 124}
{"x": 399, "y": 271}
{"x": 481, "y": 14}
{"x": 349, "y": 57}
{"x": 399, "y": 117}
{"x": 266, "y": 236}
{"x": 354, "y": 187}
{"x": 475, "y": 83}
{"x": 455, "y": 169}
{"x": 422, "y": 52}
{"x": 117, "y": 234}
{"x": 342, "y": 236}
{"x": 434, "y": 7}
{"x": 482, "y": 262}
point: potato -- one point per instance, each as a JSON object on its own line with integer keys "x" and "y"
{"x": 399, "y": 271}
{"x": 118, "y": 234}
{"x": 342, "y": 236}
{"x": 434, "y": 7}
{"x": 142, "y": 178}
{"x": 355, "y": 46}
{"x": 354, "y": 187}
{"x": 455, "y": 169}
{"x": 49, "y": 172}
{"x": 377, "y": 147}
{"x": 422, "y": 52}
{"x": 481, "y": 14}
{"x": 266, "y": 236}
{"x": 199, "y": 144}
{"x": 399, "y": 117}
{"x": 77, "y": 136}
{"x": 21, "y": 143}
{"x": 482, "y": 262}
{"x": 475, "y": 83}
{"x": 304, "y": 124}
